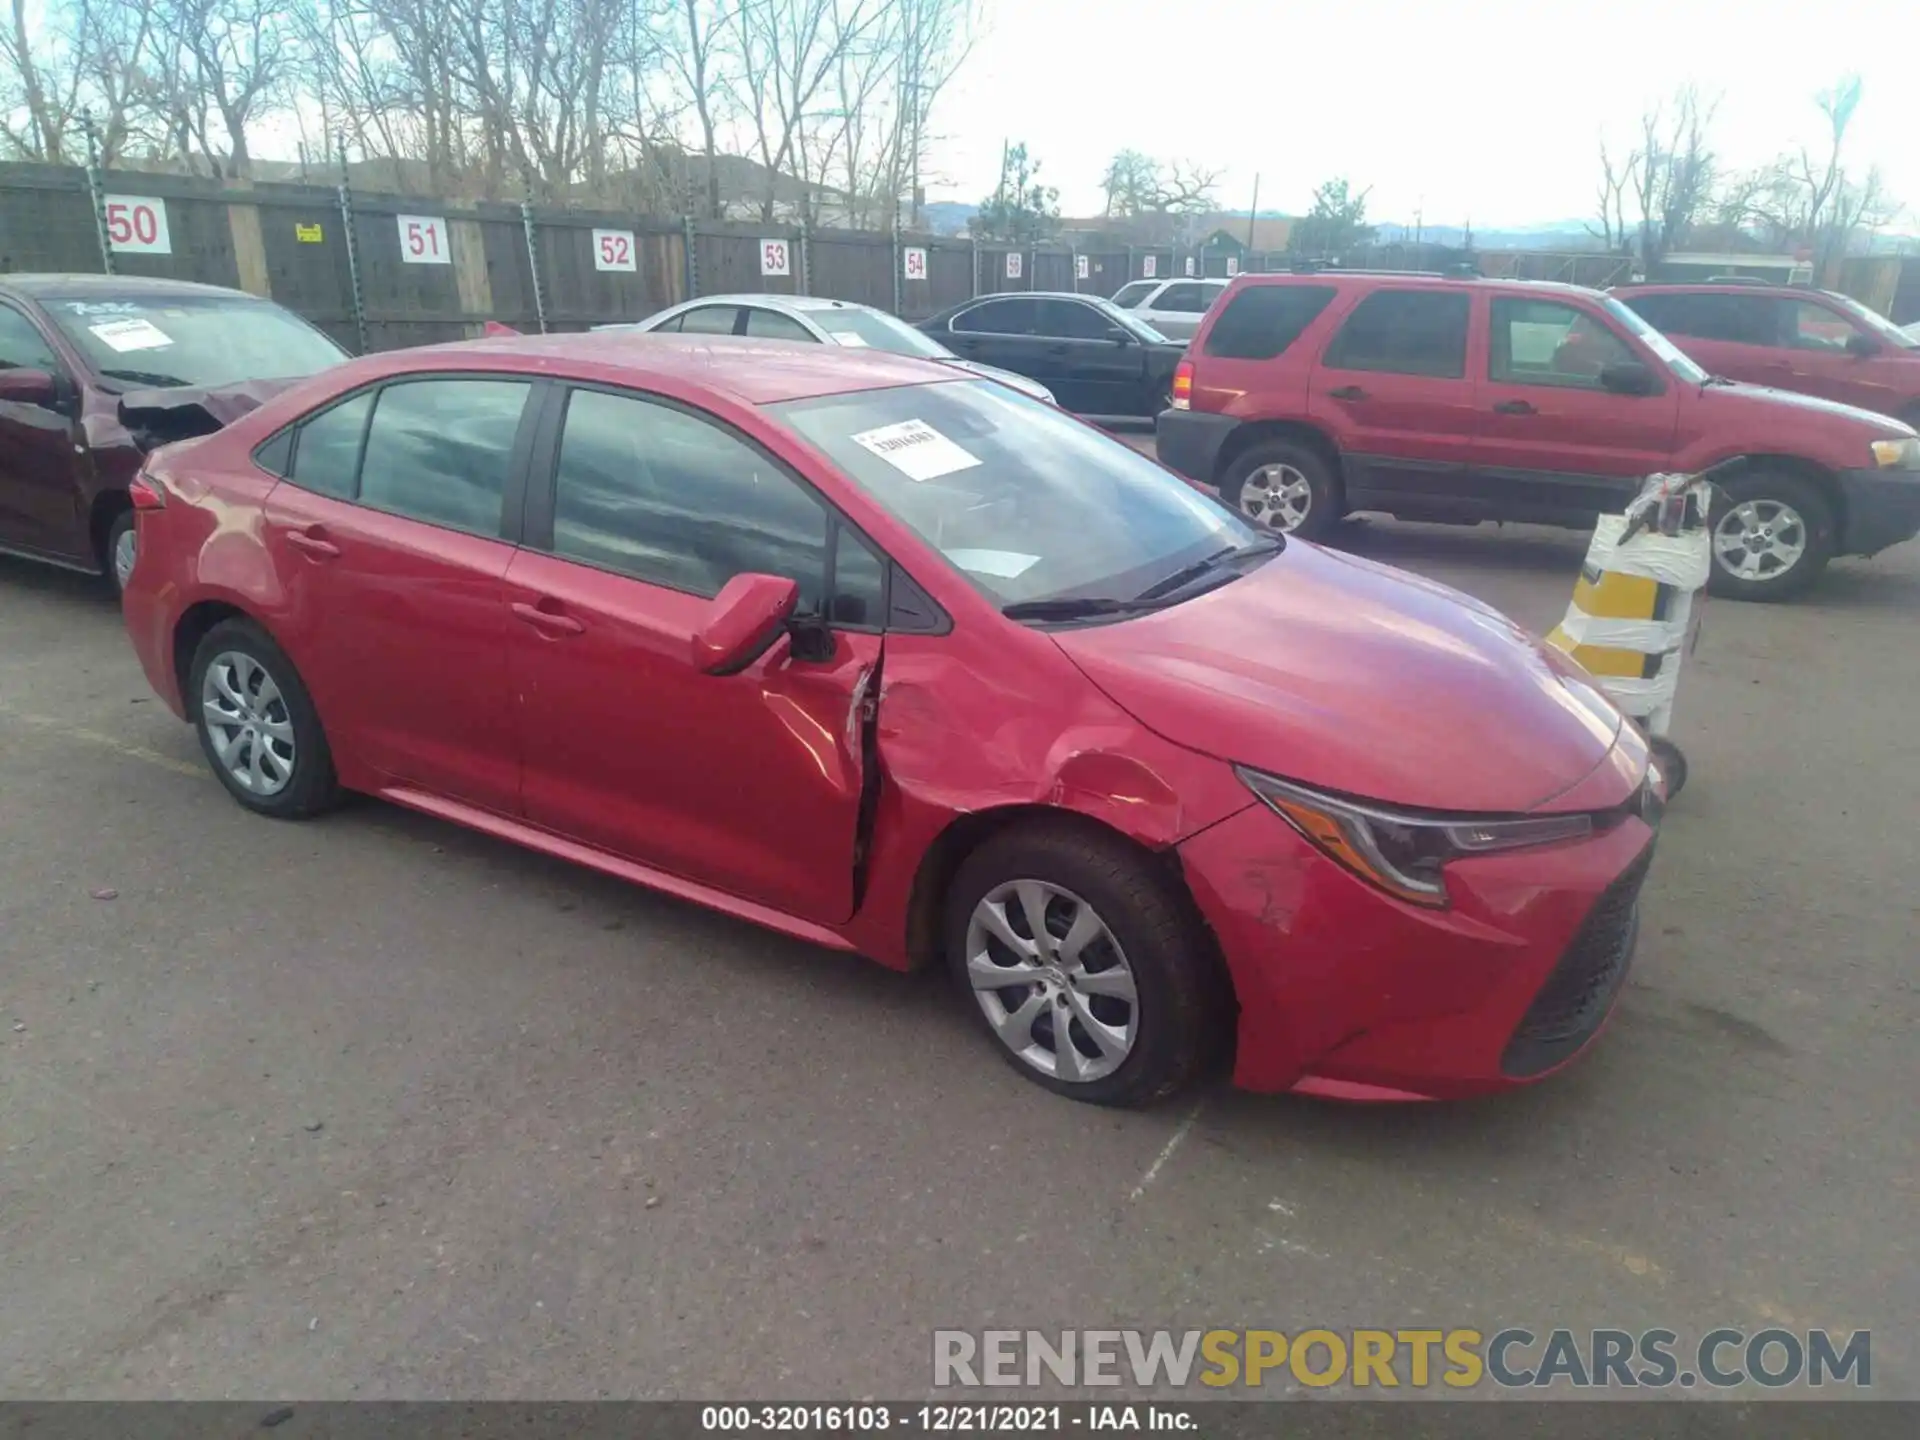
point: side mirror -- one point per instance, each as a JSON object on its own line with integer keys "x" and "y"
{"x": 1862, "y": 346}
{"x": 28, "y": 387}
{"x": 743, "y": 622}
{"x": 1627, "y": 377}
{"x": 1120, "y": 337}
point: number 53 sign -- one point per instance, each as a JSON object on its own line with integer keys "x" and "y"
{"x": 775, "y": 259}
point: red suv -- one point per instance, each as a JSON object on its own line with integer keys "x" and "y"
{"x": 1304, "y": 397}
{"x": 1811, "y": 341}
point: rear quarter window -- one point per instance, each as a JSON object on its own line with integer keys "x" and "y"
{"x": 1263, "y": 320}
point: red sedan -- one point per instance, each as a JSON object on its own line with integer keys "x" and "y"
{"x": 905, "y": 663}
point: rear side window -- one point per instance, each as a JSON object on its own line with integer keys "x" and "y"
{"x": 439, "y": 451}
{"x": 326, "y": 453}
{"x": 1405, "y": 332}
{"x": 1129, "y": 296}
{"x": 1263, "y": 320}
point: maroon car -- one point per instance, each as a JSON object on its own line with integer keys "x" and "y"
{"x": 95, "y": 370}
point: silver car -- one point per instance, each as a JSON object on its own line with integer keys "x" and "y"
{"x": 1173, "y": 307}
{"x": 824, "y": 321}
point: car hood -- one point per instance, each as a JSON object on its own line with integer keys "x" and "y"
{"x": 1737, "y": 393}
{"x": 1006, "y": 377}
{"x": 1354, "y": 677}
{"x": 180, "y": 412}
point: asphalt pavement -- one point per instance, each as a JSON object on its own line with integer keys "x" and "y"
{"x": 373, "y": 1106}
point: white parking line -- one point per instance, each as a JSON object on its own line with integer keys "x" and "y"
{"x": 103, "y": 741}
{"x": 1166, "y": 1152}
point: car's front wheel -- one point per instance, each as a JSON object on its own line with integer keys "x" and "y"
{"x": 1085, "y": 965}
{"x": 1284, "y": 486}
{"x": 257, "y": 724}
{"x": 122, "y": 549}
{"x": 1773, "y": 534}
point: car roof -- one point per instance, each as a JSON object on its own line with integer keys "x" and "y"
{"x": 1719, "y": 287}
{"x": 801, "y": 303}
{"x": 757, "y": 372}
{"x": 84, "y": 287}
{"x": 1426, "y": 280}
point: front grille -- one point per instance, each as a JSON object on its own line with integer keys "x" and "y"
{"x": 1579, "y": 992}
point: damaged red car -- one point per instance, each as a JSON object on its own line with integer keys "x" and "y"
{"x": 905, "y": 663}
{"x": 95, "y": 370}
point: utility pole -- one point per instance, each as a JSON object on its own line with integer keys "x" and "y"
{"x": 1253, "y": 214}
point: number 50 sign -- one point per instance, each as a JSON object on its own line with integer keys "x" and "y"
{"x": 136, "y": 226}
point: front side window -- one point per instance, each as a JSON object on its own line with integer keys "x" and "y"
{"x": 326, "y": 450}
{"x": 1542, "y": 342}
{"x": 1670, "y": 354}
{"x": 998, "y": 317}
{"x": 176, "y": 340}
{"x": 1071, "y": 320}
{"x": 772, "y": 325}
{"x": 22, "y": 346}
{"x": 1405, "y": 332}
{"x": 1024, "y": 502}
{"x": 650, "y": 491}
{"x": 440, "y": 450}
{"x": 1814, "y": 327}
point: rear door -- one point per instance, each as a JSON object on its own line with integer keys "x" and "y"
{"x": 1393, "y": 386}
{"x": 748, "y": 783}
{"x": 1554, "y": 443}
{"x": 392, "y": 534}
{"x": 41, "y": 455}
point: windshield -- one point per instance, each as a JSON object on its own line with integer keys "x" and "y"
{"x": 871, "y": 329}
{"x": 1130, "y": 322}
{"x": 1877, "y": 324}
{"x": 193, "y": 340}
{"x": 1023, "y": 501}
{"x": 1631, "y": 321}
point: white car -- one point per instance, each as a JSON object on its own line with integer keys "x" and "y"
{"x": 1173, "y": 307}
{"x": 824, "y": 321}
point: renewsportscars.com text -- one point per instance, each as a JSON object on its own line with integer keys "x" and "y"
{"x": 1511, "y": 1358}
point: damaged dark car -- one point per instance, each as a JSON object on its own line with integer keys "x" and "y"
{"x": 96, "y": 370}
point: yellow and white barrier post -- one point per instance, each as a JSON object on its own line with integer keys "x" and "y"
{"x": 1635, "y": 608}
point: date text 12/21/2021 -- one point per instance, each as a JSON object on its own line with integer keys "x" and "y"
{"x": 945, "y": 1419}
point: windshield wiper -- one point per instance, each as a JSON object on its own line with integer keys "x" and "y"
{"x": 1082, "y": 607}
{"x": 1200, "y": 569}
{"x": 143, "y": 377}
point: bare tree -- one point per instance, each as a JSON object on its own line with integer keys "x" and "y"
{"x": 234, "y": 59}
{"x": 1616, "y": 179}
{"x": 1671, "y": 175}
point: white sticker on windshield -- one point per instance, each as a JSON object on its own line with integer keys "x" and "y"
{"x": 916, "y": 450}
{"x": 1001, "y": 564}
{"x": 852, "y": 342}
{"x": 125, "y": 335}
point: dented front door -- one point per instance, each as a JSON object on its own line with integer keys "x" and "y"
{"x": 749, "y": 783}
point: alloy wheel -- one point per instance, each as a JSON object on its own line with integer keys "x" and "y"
{"x": 1276, "y": 495}
{"x": 125, "y": 551}
{"x": 248, "y": 723}
{"x": 1759, "y": 539}
{"x": 1052, "y": 980}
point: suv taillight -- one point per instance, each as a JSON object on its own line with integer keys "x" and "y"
{"x": 1183, "y": 386}
{"x": 147, "y": 493}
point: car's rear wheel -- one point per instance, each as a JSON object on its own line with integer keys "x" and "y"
{"x": 1772, "y": 535}
{"x": 1085, "y": 965}
{"x": 1286, "y": 486}
{"x": 257, "y": 724}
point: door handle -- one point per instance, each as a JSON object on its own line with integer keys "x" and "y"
{"x": 1347, "y": 392}
{"x": 313, "y": 542}
{"x": 1514, "y": 407}
{"x": 547, "y": 620}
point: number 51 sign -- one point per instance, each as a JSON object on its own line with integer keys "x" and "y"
{"x": 423, "y": 240}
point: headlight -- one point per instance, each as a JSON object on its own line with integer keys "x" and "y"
{"x": 1897, "y": 454}
{"x": 1404, "y": 853}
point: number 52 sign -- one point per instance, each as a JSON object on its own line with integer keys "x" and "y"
{"x": 136, "y": 226}
{"x": 613, "y": 250}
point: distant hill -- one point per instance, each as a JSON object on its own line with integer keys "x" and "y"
{"x": 1547, "y": 235}
{"x": 948, "y": 217}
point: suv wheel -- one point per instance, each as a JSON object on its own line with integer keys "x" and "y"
{"x": 1773, "y": 534}
{"x": 1285, "y": 486}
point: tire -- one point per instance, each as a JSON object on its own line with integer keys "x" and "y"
{"x": 1151, "y": 942}
{"x": 1293, "y": 475}
{"x": 1673, "y": 764}
{"x": 1772, "y": 503}
{"x": 236, "y": 659}
{"x": 119, "y": 533}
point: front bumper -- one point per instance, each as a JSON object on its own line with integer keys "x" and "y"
{"x": 1189, "y": 442}
{"x": 1346, "y": 992}
{"x": 1882, "y": 509}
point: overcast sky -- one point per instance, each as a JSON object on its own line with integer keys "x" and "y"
{"x": 1490, "y": 111}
